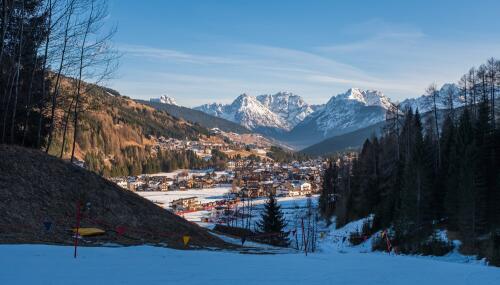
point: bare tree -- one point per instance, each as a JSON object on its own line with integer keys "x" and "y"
{"x": 18, "y": 71}
{"x": 472, "y": 87}
{"x": 493, "y": 74}
{"x": 96, "y": 54}
{"x": 70, "y": 9}
{"x": 6, "y": 12}
{"x": 432, "y": 91}
{"x": 450, "y": 97}
{"x": 463, "y": 87}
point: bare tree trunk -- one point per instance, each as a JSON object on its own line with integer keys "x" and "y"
{"x": 66, "y": 123}
{"x": 5, "y": 20}
{"x": 28, "y": 103}
{"x": 6, "y": 104}
{"x": 434, "y": 95}
{"x": 78, "y": 89}
{"x": 18, "y": 71}
{"x": 44, "y": 68}
{"x": 492, "y": 66}
{"x": 58, "y": 78}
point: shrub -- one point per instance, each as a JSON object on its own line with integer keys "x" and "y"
{"x": 379, "y": 243}
{"x": 358, "y": 237}
{"x": 435, "y": 246}
{"x": 492, "y": 249}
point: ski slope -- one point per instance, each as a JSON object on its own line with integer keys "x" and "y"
{"x": 48, "y": 264}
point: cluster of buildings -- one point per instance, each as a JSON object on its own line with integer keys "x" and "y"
{"x": 176, "y": 181}
{"x": 248, "y": 178}
{"x": 252, "y": 180}
{"x": 202, "y": 148}
{"x": 231, "y": 144}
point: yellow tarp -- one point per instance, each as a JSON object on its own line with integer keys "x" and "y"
{"x": 186, "y": 239}
{"x": 89, "y": 231}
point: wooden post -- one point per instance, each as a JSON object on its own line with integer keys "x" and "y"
{"x": 304, "y": 241}
{"x": 77, "y": 227}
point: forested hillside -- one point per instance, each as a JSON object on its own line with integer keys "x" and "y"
{"x": 198, "y": 117}
{"x": 423, "y": 176}
{"x": 117, "y": 134}
{"x": 353, "y": 141}
{"x": 53, "y": 57}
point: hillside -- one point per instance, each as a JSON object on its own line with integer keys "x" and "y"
{"x": 197, "y": 117}
{"x": 352, "y": 140}
{"x": 39, "y": 188}
{"x": 116, "y": 133}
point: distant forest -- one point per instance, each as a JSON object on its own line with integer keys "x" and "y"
{"x": 422, "y": 177}
{"x": 54, "y": 55}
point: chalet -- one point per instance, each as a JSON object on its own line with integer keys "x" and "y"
{"x": 136, "y": 185}
{"x": 251, "y": 192}
{"x": 269, "y": 187}
{"x": 287, "y": 190}
{"x": 303, "y": 187}
{"x": 185, "y": 204}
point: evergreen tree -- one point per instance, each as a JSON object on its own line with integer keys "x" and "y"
{"x": 327, "y": 196}
{"x": 416, "y": 184}
{"x": 272, "y": 224}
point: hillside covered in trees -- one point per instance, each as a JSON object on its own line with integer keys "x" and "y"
{"x": 423, "y": 176}
{"x": 198, "y": 117}
{"x": 116, "y": 135}
{"x": 54, "y": 55}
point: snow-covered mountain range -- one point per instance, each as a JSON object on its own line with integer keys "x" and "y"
{"x": 343, "y": 113}
{"x": 281, "y": 111}
{"x": 164, "y": 99}
{"x": 351, "y": 110}
{"x": 287, "y": 112}
{"x": 288, "y": 117}
{"x": 449, "y": 93}
{"x": 289, "y": 107}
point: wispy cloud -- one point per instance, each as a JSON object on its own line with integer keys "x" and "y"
{"x": 174, "y": 55}
{"x": 397, "y": 59}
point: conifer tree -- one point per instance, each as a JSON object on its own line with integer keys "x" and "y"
{"x": 327, "y": 196}
{"x": 414, "y": 212}
{"x": 272, "y": 224}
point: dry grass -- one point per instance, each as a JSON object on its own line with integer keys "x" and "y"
{"x": 36, "y": 187}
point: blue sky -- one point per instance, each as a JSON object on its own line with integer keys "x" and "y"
{"x": 206, "y": 51}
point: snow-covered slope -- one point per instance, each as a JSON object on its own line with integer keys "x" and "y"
{"x": 280, "y": 111}
{"x": 352, "y": 110}
{"x": 50, "y": 264}
{"x": 425, "y": 103}
{"x": 290, "y": 107}
{"x": 346, "y": 112}
{"x": 164, "y": 99}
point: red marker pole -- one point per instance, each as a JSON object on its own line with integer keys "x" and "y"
{"x": 77, "y": 226}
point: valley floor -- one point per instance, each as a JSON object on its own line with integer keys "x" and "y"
{"x": 45, "y": 264}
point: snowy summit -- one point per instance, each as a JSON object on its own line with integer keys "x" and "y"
{"x": 164, "y": 99}
{"x": 282, "y": 110}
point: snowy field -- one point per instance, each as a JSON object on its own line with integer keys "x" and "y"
{"x": 44, "y": 264}
{"x": 335, "y": 261}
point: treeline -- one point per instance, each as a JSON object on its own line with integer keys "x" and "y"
{"x": 136, "y": 161}
{"x": 278, "y": 154}
{"x": 48, "y": 48}
{"x": 422, "y": 175}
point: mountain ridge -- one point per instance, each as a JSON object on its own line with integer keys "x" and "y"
{"x": 287, "y": 117}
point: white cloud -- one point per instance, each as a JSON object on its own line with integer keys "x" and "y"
{"x": 398, "y": 59}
